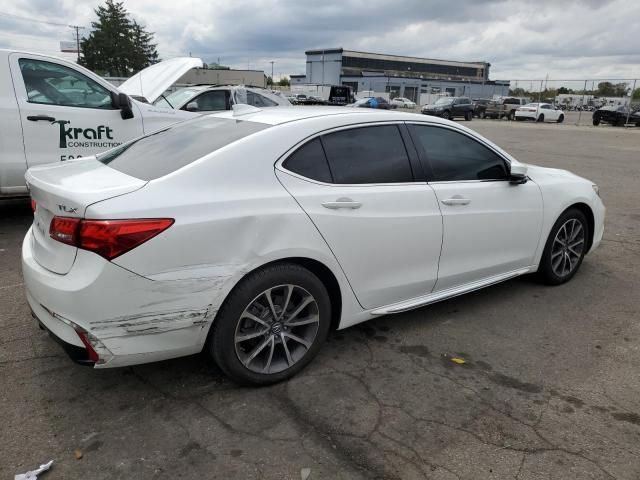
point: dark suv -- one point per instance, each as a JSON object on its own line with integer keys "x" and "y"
{"x": 450, "y": 107}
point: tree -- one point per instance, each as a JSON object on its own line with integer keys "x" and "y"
{"x": 565, "y": 90}
{"x": 269, "y": 81}
{"x": 636, "y": 94}
{"x": 284, "y": 82}
{"x": 608, "y": 89}
{"x": 117, "y": 46}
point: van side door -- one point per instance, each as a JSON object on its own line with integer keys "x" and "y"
{"x": 66, "y": 112}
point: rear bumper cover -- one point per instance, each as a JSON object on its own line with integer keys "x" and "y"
{"x": 76, "y": 353}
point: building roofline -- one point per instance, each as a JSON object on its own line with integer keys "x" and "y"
{"x": 323, "y": 51}
{"x": 420, "y": 59}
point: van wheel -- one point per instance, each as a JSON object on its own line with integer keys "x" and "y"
{"x": 541, "y": 118}
{"x": 271, "y": 325}
{"x": 565, "y": 248}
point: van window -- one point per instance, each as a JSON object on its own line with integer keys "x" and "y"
{"x": 53, "y": 84}
{"x": 165, "y": 151}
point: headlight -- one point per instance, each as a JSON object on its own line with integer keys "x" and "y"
{"x": 596, "y": 189}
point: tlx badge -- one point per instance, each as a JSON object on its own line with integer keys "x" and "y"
{"x": 65, "y": 209}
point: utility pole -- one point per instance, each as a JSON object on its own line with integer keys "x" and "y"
{"x": 272, "y": 81}
{"x": 77, "y": 28}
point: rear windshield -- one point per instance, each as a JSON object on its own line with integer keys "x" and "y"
{"x": 165, "y": 151}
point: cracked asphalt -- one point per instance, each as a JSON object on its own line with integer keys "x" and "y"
{"x": 550, "y": 388}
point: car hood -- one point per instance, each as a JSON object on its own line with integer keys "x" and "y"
{"x": 154, "y": 80}
{"x": 433, "y": 106}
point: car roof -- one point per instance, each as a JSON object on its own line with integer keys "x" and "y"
{"x": 281, "y": 115}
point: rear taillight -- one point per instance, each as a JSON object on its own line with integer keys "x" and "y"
{"x": 107, "y": 238}
{"x": 33, "y": 205}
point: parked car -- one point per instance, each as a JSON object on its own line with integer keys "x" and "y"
{"x": 292, "y": 99}
{"x": 373, "y": 102}
{"x": 241, "y": 234}
{"x": 302, "y": 99}
{"x": 540, "y": 112}
{"x": 208, "y": 98}
{"x": 617, "y": 116}
{"x": 479, "y": 106}
{"x": 403, "y": 102}
{"x": 450, "y": 107}
{"x": 55, "y": 110}
{"x": 505, "y": 107}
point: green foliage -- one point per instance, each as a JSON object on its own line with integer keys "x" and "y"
{"x": 608, "y": 89}
{"x": 117, "y": 46}
{"x": 269, "y": 81}
{"x": 636, "y": 94}
{"x": 284, "y": 82}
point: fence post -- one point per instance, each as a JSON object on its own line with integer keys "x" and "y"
{"x": 630, "y": 98}
{"x": 584, "y": 91}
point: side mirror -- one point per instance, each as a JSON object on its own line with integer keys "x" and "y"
{"x": 192, "y": 107}
{"x": 518, "y": 174}
{"x": 122, "y": 102}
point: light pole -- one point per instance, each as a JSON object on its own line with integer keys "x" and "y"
{"x": 272, "y": 62}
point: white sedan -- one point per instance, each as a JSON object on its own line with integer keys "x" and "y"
{"x": 250, "y": 233}
{"x": 540, "y": 112}
{"x": 403, "y": 102}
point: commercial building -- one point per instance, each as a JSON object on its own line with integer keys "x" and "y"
{"x": 399, "y": 76}
{"x": 214, "y": 76}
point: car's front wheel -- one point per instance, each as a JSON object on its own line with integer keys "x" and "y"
{"x": 271, "y": 325}
{"x": 561, "y": 119}
{"x": 446, "y": 115}
{"x": 596, "y": 120}
{"x": 541, "y": 118}
{"x": 565, "y": 248}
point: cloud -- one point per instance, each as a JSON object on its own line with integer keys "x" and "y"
{"x": 525, "y": 39}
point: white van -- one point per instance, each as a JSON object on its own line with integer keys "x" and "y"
{"x": 53, "y": 110}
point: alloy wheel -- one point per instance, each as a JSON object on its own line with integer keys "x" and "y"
{"x": 568, "y": 246}
{"x": 277, "y": 329}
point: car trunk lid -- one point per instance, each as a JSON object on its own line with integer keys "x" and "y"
{"x": 66, "y": 190}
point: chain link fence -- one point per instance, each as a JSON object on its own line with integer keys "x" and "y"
{"x": 586, "y": 101}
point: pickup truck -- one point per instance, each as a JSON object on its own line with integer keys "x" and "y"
{"x": 53, "y": 110}
{"x": 505, "y": 107}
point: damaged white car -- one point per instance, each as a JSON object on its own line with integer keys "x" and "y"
{"x": 249, "y": 234}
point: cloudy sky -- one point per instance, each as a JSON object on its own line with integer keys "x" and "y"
{"x": 522, "y": 39}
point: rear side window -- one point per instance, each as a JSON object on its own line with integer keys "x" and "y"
{"x": 257, "y": 100}
{"x": 454, "y": 156}
{"x": 367, "y": 155}
{"x": 309, "y": 161}
{"x": 163, "y": 152}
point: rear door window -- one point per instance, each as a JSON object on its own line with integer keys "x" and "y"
{"x": 367, "y": 155}
{"x": 211, "y": 101}
{"x": 165, "y": 151}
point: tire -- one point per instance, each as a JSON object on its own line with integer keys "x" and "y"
{"x": 620, "y": 122}
{"x": 446, "y": 115}
{"x": 511, "y": 115}
{"x": 266, "y": 342}
{"x": 482, "y": 115}
{"x": 519, "y": 119}
{"x": 468, "y": 116}
{"x": 596, "y": 120}
{"x": 559, "y": 264}
{"x": 540, "y": 118}
{"x": 561, "y": 119}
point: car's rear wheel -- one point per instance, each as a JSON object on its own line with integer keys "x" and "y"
{"x": 271, "y": 325}
{"x": 565, "y": 248}
{"x": 620, "y": 122}
{"x": 541, "y": 118}
{"x": 561, "y": 119}
{"x": 483, "y": 115}
{"x": 468, "y": 116}
{"x": 596, "y": 120}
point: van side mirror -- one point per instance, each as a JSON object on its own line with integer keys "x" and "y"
{"x": 122, "y": 102}
{"x": 192, "y": 107}
{"x": 518, "y": 174}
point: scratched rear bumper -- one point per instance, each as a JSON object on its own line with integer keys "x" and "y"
{"x": 131, "y": 319}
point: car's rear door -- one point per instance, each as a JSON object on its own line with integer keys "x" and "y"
{"x": 491, "y": 227}
{"x": 365, "y": 191}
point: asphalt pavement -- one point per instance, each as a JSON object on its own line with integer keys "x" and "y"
{"x": 549, "y": 388}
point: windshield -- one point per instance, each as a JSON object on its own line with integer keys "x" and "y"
{"x": 168, "y": 150}
{"x": 443, "y": 101}
{"x": 178, "y": 98}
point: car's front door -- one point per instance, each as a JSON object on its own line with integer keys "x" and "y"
{"x": 380, "y": 219}
{"x": 491, "y": 226}
{"x": 64, "y": 113}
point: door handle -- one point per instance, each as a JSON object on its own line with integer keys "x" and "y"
{"x": 342, "y": 203}
{"x": 456, "y": 200}
{"x": 35, "y": 118}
